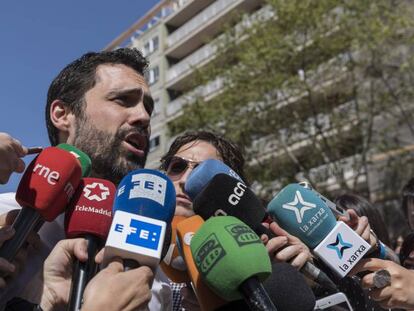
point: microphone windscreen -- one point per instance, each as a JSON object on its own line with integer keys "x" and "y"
{"x": 207, "y": 299}
{"x": 83, "y": 158}
{"x": 49, "y": 182}
{"x": 173, "y": 263}
{"x": 288, "y": 289}
{"x": 227, "y": 253}
{"x": 90, "y": 211}
{"x": 226, "y": 195}
{"x": 203, "y": 173}
{"x": 302, "y": 213}
{"x": 148, "y": 193}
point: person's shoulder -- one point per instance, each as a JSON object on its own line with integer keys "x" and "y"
{"x": 8, "y": 202}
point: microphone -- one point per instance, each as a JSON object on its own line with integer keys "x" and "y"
{"x": 89, "y": 216}
{"x": 225, "y": 195}
{"x": 143, "y": 206}
{"x": 232, "y": 260}
{"x": 45, "y": 189}
{"x": 302, "y": 213}
{"x": 85, "y": 163}
{"x": 83, "y": 158}
{"x": 203, "y": 173}
{"x": 185, "y": 230}
{"x": 283, "y": 282}
{"x": 173, "y": 263}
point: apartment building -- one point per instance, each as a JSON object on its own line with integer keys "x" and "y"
{"x": 177, "y": 36}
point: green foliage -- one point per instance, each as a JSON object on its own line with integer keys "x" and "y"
{"x": 318, "y": 84}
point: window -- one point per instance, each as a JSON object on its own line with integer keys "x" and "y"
{"x": 153, "y": 75}
{"x": 157, "y": 107}
{"x": 154, "y": 143}
{"x": 151, "y": 46}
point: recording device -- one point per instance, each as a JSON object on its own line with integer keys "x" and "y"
{"x": 44, "y": 191}
{"x": 302, "y": 213}
{"x": 186, "y": 229}
{"x": 173, "y": 263}
{"x": 334, "y": 302}
{"x": 144, "y": 205}
{"x": 232, "y": 261}
{"x": 225, "y": 195}
{"x": 89, "y": 216}
{"x": 203, "y": 173}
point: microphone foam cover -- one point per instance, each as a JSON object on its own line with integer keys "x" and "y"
{"x": 207, "y": 299}
{"x": 49, "y": 182}
{"x": 225, "y": 195}
{"x": 227, "y": 252}
{"x": 83, "y": 158}
{"x": 282, "y": 283}
{"x": 203, "y": 173}
{"x": 301, "y": 212}
{"x": 148, "y": 193}
{"x": 173, "y": 264}
{"x": 90, "y": 211}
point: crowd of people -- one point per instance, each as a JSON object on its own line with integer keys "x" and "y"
{"x": 102, "y": 105}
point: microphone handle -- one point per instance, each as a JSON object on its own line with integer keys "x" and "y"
{"x": 309, "y": 269}
{"x": 24, "y": 224}
{"x": 255, "y": 295}
{"x": 83, "y": 272}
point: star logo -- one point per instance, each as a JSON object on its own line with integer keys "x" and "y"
{"x": 96, "y": 192}
{"x": 299, "y": 210}
{"x": 339, "y": 246}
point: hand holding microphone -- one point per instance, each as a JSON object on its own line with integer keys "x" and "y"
{"x": 285, "y": 247}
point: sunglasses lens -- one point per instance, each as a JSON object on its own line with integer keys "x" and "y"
{"x": 177, "y": 166}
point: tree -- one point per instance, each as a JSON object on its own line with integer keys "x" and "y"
{"x": 315, "y": 90}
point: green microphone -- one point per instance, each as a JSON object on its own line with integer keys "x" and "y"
{"x": 232, "y": 261}
{"x": 85, "y": 161}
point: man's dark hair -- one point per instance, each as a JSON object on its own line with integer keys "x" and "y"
{"x": 229, "y": 151}
{"x": 407, "y": 196}
{"x": 78, "y": 77}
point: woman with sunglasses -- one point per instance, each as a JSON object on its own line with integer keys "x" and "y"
{"x": 189, "y": 150}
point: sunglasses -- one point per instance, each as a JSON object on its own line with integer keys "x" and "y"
{"x": 177, "y": 165}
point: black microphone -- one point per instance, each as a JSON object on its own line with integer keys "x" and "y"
{"x": 225, "y": 195}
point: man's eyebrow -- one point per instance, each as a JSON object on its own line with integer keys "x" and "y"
{"x": 133, "y": 91}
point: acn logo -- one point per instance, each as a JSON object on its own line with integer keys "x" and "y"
{"x": 238, "y": 192}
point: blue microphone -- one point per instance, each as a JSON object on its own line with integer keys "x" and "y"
{"x": 143, "y": 208}
{"x": 301, "y": 212}
{"x": 203, "y": 173}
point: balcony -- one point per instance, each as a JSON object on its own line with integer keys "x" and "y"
{"x": 178, "y": 76}
{"x": 207, "y": 91}
{"x": 186, "y": 12}
{"x": 205, "y": 25}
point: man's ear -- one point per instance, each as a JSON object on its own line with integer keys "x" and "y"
{"x": 61, "y": 116}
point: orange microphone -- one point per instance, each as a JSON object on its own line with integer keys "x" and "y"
{"x": 173, "y": 264}
{"x": 185, "y": 230}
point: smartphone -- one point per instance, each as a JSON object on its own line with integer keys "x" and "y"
{"x": 335, "y": 302}
{"x": 338, "y": 211}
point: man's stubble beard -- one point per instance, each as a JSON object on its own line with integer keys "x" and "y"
{"x": 109, "y": 160}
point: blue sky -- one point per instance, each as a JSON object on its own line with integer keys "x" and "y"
{"x": 38, "y": 38}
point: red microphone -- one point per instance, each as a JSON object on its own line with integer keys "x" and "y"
{"x": 89, "y": 216}
{"x": 44, "y": 191}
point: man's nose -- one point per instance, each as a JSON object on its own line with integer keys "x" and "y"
{"x": 139, "y": 116}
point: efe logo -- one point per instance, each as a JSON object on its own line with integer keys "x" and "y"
{"x": 96, "y": 192}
